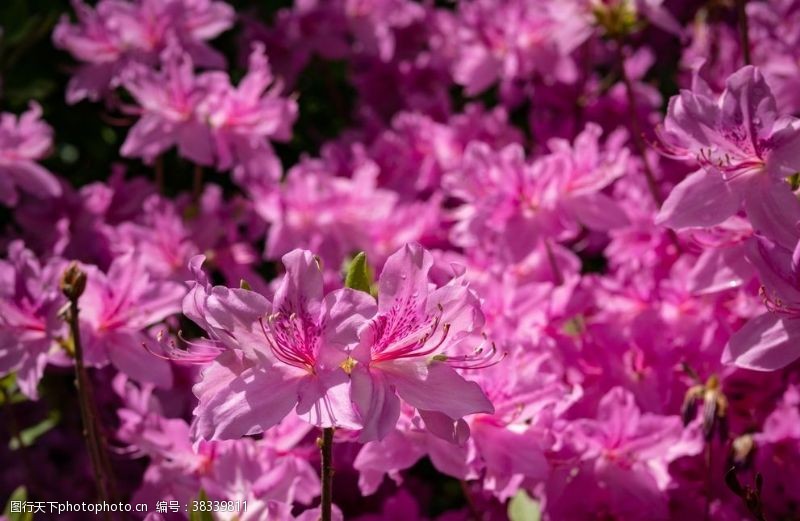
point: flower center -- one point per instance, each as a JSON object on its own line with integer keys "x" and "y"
{"x": 292, "y": 338}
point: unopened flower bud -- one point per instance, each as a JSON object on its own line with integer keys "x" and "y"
{"x": 73, "y": 281}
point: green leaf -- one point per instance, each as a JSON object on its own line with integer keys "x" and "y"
{"x": 358, "y": 276}
{"x": 31, "y": 434}
{"x": 9, "y": 391}
{"x": 200, "y": 515}
{"x": 523, "y": 508}
{"x": 19, "y": 494}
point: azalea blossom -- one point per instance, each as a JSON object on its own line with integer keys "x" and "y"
{"x": 24, "y": 140}
{"x": 769, "y": 341}
{"x": 30, "y": 327}
{"x": 280, "y": 355}
{"x": 116, "y": 309}
{"x": 744, "y": 150}
{"x": 432, "y": 273}
{"x": 210, "y": 121}
{"x": 403, "y": 352}
{"x": 117, "y": 34}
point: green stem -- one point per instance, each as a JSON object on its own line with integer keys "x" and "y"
{"x": 639, "y": 143}
{"x": 474, "y": 513}
{"x": 326, "y": 449}
{"x": 709, "y": 478}
{"x": 95, "y": 440}
{"x": 197, "y": 183}
{"x": 159, "y": 169}
{"x": 744, "y": 37}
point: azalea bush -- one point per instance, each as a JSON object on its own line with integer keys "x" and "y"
{"x": 398, "y": 259}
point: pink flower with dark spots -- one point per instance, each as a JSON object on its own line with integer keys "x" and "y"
{"x": 283, "y": 355}
{"x": 744, "y": 150}
{"x": 407, "y": 350}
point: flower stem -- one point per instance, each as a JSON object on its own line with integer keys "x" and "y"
{"x": 73, "y": 284}
{"x": 159, "y": 174}
{"x": 326, "y": 448}
{"x": 636, "y": 130}
{"x": 197, "y": 183}
{"x": 474, "y": 513}
{"x": 640, "y": 144}
{"x": 709, "y": 478}
{"x": 744, "y": 37}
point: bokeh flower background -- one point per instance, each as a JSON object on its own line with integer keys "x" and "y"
{"x": 400, "y": 260}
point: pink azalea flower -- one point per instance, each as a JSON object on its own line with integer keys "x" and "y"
{"x": 244, "y": 117}
{"x": 119, "y": 33}
{"x": 401, "y": 351}
{"x": 169, "y": 99}
{"x": 625, "y": 455}
{"x": 515, "y": 39}
{"x": 30, "y": 300}
{"x": 744, "y": 149}
{"x": 513, "y": 203}
{"x": 23, "y": 141}
{"x": 208, "y": 119}
{"x": 512, "y": 443}
{"x": 282, "y": 355}
{"x": 402, "y": 448}
{"x": 325, "y": 213}
{"x": 374, "y": 24}
{"x": 79, "y": 224}
{"x": 115, "y": 311}
{"x": 722, "y": 265}
{"x": 272, "y": 469}
{"x": 769, "y": 341}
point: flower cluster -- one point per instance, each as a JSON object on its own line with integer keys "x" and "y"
{"x": 484, "y": 259}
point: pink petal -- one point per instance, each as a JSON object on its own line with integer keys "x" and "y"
{"x": 324, "y": 400}
{"x": 128, "y": 354}
{"x": 301, "y": 287}
{"x": 437, "y": 388}
{"x": 233, "y": 308}
{"x": 598, "y": 212}
{"x": 765, "y": 343}
{"x": 773, "y": 210}
{"x": 148, "y": 138}
{"x": 506, "y": 452}
{"x": 35, "y": 179}
{"x": 250, "y": 403}
{"x": 377, "y": 458}
{"x": 476, "y": 69}
{"x": 195, "y": 144}
{"x": 748, "y": 106}
{"x": 162, "y": 301}
{"x": 776, "y": 270}
{"x": 693, "y": 119}
{"x": 404, "y": 277}
{"x": 344, "y": 311}
{"x": 376, "y": 404}
{"x": 444, "y": 427}
{"x": 719, "y": 269}
{"x": 784, "y": 159}
{"x": 702, "y": 199}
